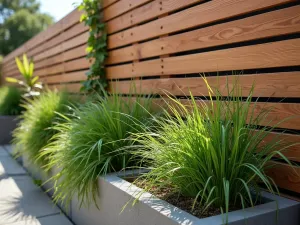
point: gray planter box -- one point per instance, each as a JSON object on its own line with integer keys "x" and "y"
{"x": 115, "y": 193}
{"x": 7, "y": 125}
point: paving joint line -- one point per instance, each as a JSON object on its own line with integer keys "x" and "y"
{"x": 52, "y": 214}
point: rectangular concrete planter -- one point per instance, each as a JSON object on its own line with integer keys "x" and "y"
{"x": 116, "y": 192}
{"x": 7, "y": 125}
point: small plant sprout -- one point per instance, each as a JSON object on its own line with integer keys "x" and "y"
{"x": 30, "y": 82}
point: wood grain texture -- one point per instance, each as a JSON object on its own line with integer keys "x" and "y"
{"x": 77, "y": 64}
{"x": 280, "y": 22}
{"x": 285, "y": 176}
{"x": 56, "y": 69}
{"x": 146, "y": 12}
{"x": 50, "y": 52}
{"x": 269, "y": 55}
{"x": 76, "y": 41}
{"x": 281, "y": 115}
{"x": 73, "y": 65}
{"x": 75, "y": 53}
{"x": 49, "y": 61}
{"x": 71, "y": 87}
{"x": 51, "y": 43}
{"x": 284, "y": 84}
{"x": 71, "y": 19}
{"x": 121, "y": 7}
{"x": 65, "y": 78}
{"x": 74, "y": 31}
{"x": 202, "y": 14}
{"x": 108, "y": 2}
{"x": 291, "y": 143}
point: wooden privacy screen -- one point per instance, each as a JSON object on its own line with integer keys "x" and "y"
{"x": 165, "y": 44}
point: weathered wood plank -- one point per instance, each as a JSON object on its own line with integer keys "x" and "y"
{"x": 285, "y": 176}
{"x": 284, "y": 85}
{"x": 121, "y": 7}
{"x": 202, "y": 14}
{"x": 65, "y": 78}
{"x": 146, "y": 12}
{"x": 280, "y": 22}
{"x": 274, "y": 54}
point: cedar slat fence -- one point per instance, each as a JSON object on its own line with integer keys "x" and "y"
{"x": 165, "y": 44}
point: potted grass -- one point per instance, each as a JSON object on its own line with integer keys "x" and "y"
{"x": 93, "y": 142}
{"x": 10, "y": 108}
{"x": 205, "y": 163}
{"x": 34, "y": 132}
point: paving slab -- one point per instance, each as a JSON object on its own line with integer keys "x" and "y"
{"x": 8, "y": 148}
{"x": 21, "y": 200}
{"x": 3, "y": 151}
{"x": 48, "y": 220}
{"x": 9, "y": 167}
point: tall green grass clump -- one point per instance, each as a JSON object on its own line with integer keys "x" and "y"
{"x": 10, "y": 101}
{"x": 33, "y": 132}
{"x": 210, "y": 150}
{"x": 94, "y": 142}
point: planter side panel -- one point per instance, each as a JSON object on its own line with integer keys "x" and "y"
{"x": 7, "y": 126}
{"x": 111, "y": 210}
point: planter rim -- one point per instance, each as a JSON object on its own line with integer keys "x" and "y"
{"x": 8, "y": 116}
{"x": 274, "y": 203}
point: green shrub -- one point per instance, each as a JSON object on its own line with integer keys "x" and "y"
{"x": 95, "y": 142}
{"x": 10, "y": 100}
{"x": 33, "y": 132}
{"x": 214, "y": 156}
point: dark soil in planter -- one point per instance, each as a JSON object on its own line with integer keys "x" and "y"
{"x": 183, "y": 202}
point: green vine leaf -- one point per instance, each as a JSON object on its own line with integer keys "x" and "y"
{"x": 97, "y": 45}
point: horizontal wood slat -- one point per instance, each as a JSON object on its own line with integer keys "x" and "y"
{"x": 77, "y": 64}
{"x": 121, "y": 7}
{"x": 44, "y": 51}
{"x": 210, "y": 12}
{"x": 75, "y": 30}
{"x": 49, "y": 61}
{"x": 65, "y": 78}
{"x": 281, "y": 115}
{"x": 285, "y": 84}
{"x": 146, "y": 12}
{"x": 275, "y": 54}
{"x": 280, "y": 22}
{"x": 59, "y": 68}
{"x": 72, "y": 87}
{"x": 79, "y": 40}
{"x": 291, "y": 143}
{"x": 107, "y": 3}
{"x": 75, "y": 53}
{"x": 285, "y": 176}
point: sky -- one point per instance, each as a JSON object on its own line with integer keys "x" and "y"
{"x": 57, "y": 8}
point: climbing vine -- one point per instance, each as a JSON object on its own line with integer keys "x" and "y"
{"x": 97, "y": 45}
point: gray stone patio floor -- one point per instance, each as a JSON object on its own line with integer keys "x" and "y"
{"x": 21, "y": 201}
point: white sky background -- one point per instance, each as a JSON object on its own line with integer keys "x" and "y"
{"x": 58, "y": 8}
